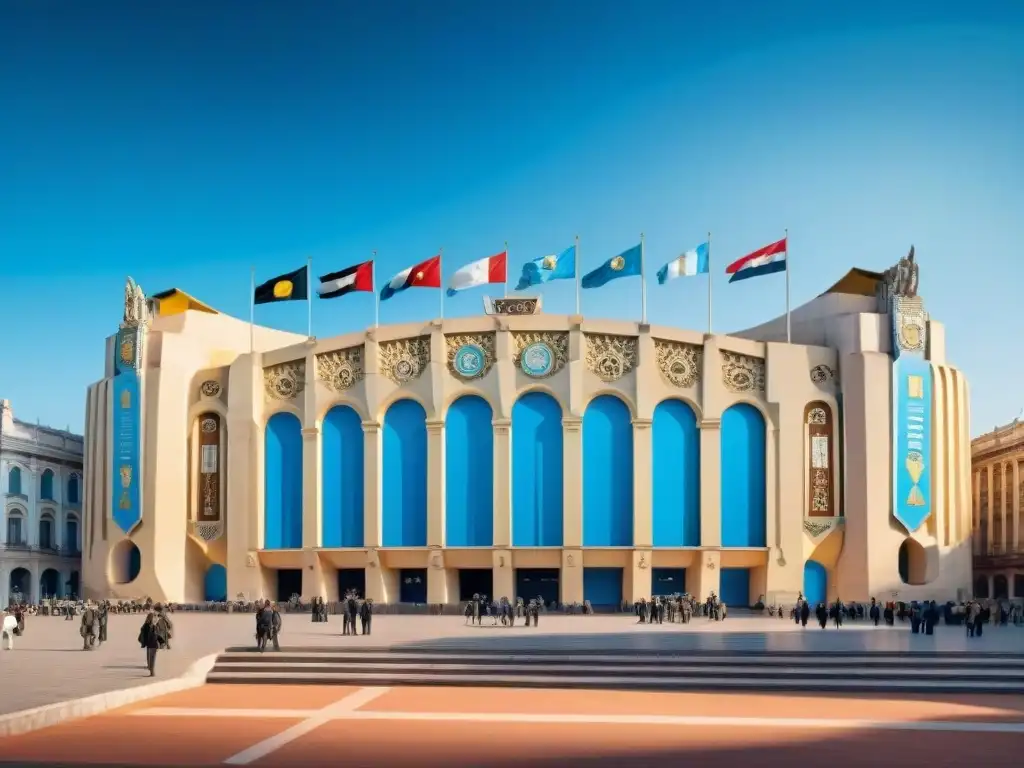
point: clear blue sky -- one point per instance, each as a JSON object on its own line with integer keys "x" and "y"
{"x": 183, "y": 142}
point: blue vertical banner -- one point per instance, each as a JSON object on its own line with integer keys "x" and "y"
{"x": 911, "y": 401}
{"x": 126, "y": 483}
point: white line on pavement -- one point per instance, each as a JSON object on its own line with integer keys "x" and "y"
{"x": 335, "y": 711}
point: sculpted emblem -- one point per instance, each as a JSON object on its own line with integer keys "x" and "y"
{"x": 617, "y": 264}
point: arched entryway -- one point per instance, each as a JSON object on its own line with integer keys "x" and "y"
{"x": 49, "y": 584}
{"x": 981, "y": 587}
{"x": 1001, "y": 587}
{"x": 913, "y": 563}
{"x": 815, "y": 582}
{"x": 20, "y": 586}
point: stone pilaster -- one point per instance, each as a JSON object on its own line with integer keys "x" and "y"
{"x": 435, "y": 483}
{"x": 572, "y": 483}
{"x": 643, "y": 528}
{"x": 371, "y": 488}
{"x": 502, "y": 484}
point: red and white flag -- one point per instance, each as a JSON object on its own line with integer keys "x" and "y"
{"x": 493, "y": 269}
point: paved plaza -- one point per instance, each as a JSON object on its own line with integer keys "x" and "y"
{"x": 48, "y": 665}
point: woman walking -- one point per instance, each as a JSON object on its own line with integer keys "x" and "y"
{"x": 149, "y": 639}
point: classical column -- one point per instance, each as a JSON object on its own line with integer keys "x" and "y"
{"x": 976, "y": 515}
{"x": 710, "y": 483}
{"x": 311, "y": 501}
{"x": 502, "y": 483}
{"x": 643, "y": 511}
{"x": 1015, "y": 545}
{"x": 435, "y": 483}
{"x": 371, "y": 485}
{"x": 988, "y": 548}
{"x": 572, "y": 481}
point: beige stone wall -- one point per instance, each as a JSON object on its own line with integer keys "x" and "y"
{"x": 858, "y": 543}
{"x": 997, "y": 486}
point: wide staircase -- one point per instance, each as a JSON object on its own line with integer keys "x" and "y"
{"x": 692, "y": 670}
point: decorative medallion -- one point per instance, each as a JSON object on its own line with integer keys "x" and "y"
{"x": 742, "y": 373}
{"x": 285, "y": 381}
{"x": 540, "y": 355}
{"x": 470, "y": 356}
{"x": 404, "y": 360}
{"x": 209, "y": 426}
{"x": 209, "y": 388}
{"x": 818, "y": 527}
{"x": 341, "y": 369}
{"x": 822, "y": 374}
{"x": 570, "y": 561}
{"x": 617, "y": 264}
{"x": 679, "y": 363}
{"x": 817, "y": 416}
{"x": 611, "y": 357}
{"x": 910, "y": 321}
{"x": 128, "y": 350}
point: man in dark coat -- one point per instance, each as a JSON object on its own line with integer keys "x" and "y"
{"x": 102, "y": 619}
{"x": 88, "y": 629}
{"x": 264, "y": 626}
{"x": 366, "y": 615}
{"x": 351, "y": 610}
{"x": 275, "y": 626}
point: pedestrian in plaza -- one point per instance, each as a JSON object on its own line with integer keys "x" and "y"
{"x": 351, "y": 610}
{"x": 88, "y": 627}
{"x": 804, "y": 613}
{"x": 264, "y": 625}
{"x": 8, "y": 627}
{"x": 101, "y": 617}
{"x": 164, "y": 627}
{"x": 874, "y": 613}
{"x": 149, "y": 638}
{"x": 365, "y": 616}
{"x": 275, "y": 626}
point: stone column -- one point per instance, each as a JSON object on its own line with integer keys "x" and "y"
{"x": 1015, "y": 545}
{"x": 502, "y": 485}
{"x": 976, "y": 515}
{"x": 1003, "y": 480}
{"x": 710, "y": 483}
{"x": 371, "y": 486}
{"x": 31, "y": 490}
{"x": 643, "y": 511}
{"x": 572, "y": 480}
{"x": 311, "y": 501}
{"x": 435, "y": 483}
{"x": 991, "y": 528}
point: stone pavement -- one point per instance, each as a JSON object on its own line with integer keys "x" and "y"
{"x": 48, "y": 665}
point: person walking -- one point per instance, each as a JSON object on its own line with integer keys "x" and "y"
{"x": 149, "y": 638}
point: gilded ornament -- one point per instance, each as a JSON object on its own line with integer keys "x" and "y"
{"x": 126, "y": 398}
{"x": 209, "y": 426}
{"x": 128, "y": 351}
{"x": 617, "y": 264}
{"x": 470, "y": 356}
{"x": 611, "y": 357}
{"x": 534, "y": 348}
{"x": 742, "y": 373}
{"x": 910, "y": 320}
{"x": 340, "y": 369}
{"x": 822, "y": 374}
{"x": 126, "y": 476}
{"x": 404, "y": 360}
{"x": 285, "y": 381}
{"x": 679, "y": 363}
{"x": 209, "y": 388}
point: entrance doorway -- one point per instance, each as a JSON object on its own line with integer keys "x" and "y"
{"x": 476, "y": 581}
{"x": 537, "y": 582}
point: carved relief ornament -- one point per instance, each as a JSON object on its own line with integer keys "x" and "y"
{"x": 404, "y": 360}
{"x": 742, "y": 373}
{"x": 340, "y": 369}
{"x": 818, "y": 527}
{"x": 209, "y": 388}
{"x": 822, "y": 374}
{"x": 611, "y": 357}
{"x": 679, "y": 363}
{"x": 285, "y": 381}
{"x": 470, "y": 356}
{"x": 547, "y": 352}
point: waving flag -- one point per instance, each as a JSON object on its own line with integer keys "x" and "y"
{"x": 764, "y": 261}
{"x": 426, "y": 274}
{"x": 691, "y": 263}
{"x": 626, "y": 264}
{"x": 493, "y": 269}
{"x": 547, "y": 268}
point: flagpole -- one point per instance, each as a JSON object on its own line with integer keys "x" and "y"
{"x": 576, "y": 266}
{"x": 440, "y": 277}
{"x": 789, "y": 328}
{"x": 376, "y": 294}
{"x": 252, "y": 310}
{"x": 309, "y": 296}
{"x": 709, "y": 283}
{"x": 506, "y": 269}
{"x": 643, "y": 284}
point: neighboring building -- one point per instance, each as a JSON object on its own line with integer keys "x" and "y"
{"x": 997, "y": 461}
{"x": 519, "y": 453}
{"x": 41, "y": 487}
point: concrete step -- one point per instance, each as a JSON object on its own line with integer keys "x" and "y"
{"x": 597, "y": 681}
{"x": 587, "y": 670}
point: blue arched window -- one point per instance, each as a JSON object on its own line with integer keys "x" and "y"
{"x": 73, "y": 496}
{"x": 46, "y": 486}
{"x": 14, "y": 481}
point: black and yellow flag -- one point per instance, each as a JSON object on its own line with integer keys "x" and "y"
{"x": 293, "y": 286}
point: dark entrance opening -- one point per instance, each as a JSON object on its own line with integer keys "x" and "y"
{"x": 537, "y": 582}
{"x": 351, "y": 580}
{"x": 412, "y": 586}
{"x": 289, "y": 582}
{"x": 476, "y": 581}
{"x": 668, "y": 581}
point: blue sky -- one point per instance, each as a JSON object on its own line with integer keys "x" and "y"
{"x": 182, "y": 143}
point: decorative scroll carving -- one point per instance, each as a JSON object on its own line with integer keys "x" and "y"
{"x": 611, "y": 357}
{"x": 209, "y": 388}
{"x": 818, "y": 527}
{"x": 742, "y": 373}
{"x": 285, "y": 381}
{"x": 680, "y": 364}
{"x": 136, "y": 312}
{"x": 818, "y": 418}
{"x": 404, "y": 360}
{"x": 340, "y": 369}
{"x": 547, "y": 352}
{"x": 470, "y": 356}
{"x": 822, "y": 374}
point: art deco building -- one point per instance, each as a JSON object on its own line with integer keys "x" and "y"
{"x": 41, "y": 487}
{"x": 519, "y": 453}
{"x": 997, "y": 463}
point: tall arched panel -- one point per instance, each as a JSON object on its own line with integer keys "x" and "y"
{"x": 675, "y": 475}
{"x": 469, "y": 473}
{"x": 208, "y": 480}
{"x": 536, "y": 471}
{"x": 744, "y": 521}
{"x": 820, "y": 472}
{"x": 282, "y": 502}
{"x": 341, "y": 478}
{"x": 404, "y": 493}
{"x": 607, "y": 473}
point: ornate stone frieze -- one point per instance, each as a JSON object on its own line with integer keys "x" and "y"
{"x": 209, "y": 388}
{"x": 541, "y": 354}
{"x": 822, "y": 374}
{"x": 404, "y": 360}
{"x": 285, "y": 381}
{"x": 611, "y": 357}
{"x": 818, "y": 527}
{"x": 679, "y": 363}
{"x": 340, "y": 369}
{"x": 207, "y": 531}
{"x": 742, "y": 373}
{"x": 471, "y": 355}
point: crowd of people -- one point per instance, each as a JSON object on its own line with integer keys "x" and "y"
{"x": 923, "y": 616}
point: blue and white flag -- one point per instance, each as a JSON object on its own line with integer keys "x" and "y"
{"x": 548, "y": 268}
{"x": 691, "y": 263}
